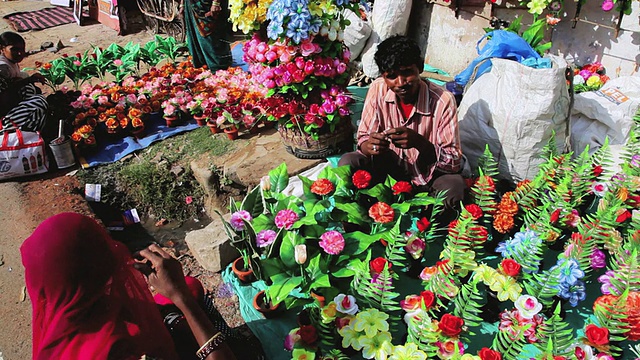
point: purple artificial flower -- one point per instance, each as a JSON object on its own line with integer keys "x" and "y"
{"x": 237, "y": 217}
{"x": 635, "y": 161}
{"x": 607, "y": 288}
{"x": 265, "y": 238}
{"x": 286, "y": 218}
{"x": 598, "y": 259}
{"x": 585, "y": 74}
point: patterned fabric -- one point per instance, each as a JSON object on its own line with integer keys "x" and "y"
{"x": 207, "y": 37}
{"x": 434, "y": 117}
{"x": 30, "y": 114}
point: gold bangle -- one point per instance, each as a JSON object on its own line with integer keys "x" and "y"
{"x": 215, "y": 3}
{"x": 210, "y": 346}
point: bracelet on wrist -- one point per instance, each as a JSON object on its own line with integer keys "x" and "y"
{"x": 210, "y": 346}
{"x": 215, "y": 3}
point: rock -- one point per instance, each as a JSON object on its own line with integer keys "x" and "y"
{"x": 45, "y": 45}
{"x": 205, "y": 177}
{"x": 211, "y": 246}
{"x": 177, "y": 170}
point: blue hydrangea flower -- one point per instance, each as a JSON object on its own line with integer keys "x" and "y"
{"x": 570, "y": 271}
{"x": 521, "y": 241}
{"x": 315, "y": 25}
{"x": 574, "y": 293}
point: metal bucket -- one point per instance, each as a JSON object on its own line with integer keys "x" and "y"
{"x": 63, "y": 153}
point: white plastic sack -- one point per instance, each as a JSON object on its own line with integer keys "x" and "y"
{"x": 607, "y": 112}
{"x": 356, "y": 33}
{"x": 22, "y": 153}
{"x": 514, "y": 109}
{"x": 388, "y": 18}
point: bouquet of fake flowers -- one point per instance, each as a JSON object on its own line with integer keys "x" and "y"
{"x": 589, "y": 77}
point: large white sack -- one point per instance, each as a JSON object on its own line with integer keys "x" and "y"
{"x": 356, "y": 33}
{"x": 607, "y": 112}
{"x": 514, "y": 109}
{"x": 388, "y": 18}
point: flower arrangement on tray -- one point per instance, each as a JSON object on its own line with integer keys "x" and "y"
{"x": 590, "y": 77}
{"x": 558, "y": 279}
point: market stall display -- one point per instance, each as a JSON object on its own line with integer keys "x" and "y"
{"x": 546, "y": 270}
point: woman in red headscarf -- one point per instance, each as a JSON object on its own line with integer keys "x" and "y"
{"x": 89, "y": 302}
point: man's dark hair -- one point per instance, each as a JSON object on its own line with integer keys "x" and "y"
{"x": 396, "y": 52}
{"x": 10, "y": 38}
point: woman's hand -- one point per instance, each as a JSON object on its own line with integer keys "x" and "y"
{"x": 37, "y": 78}
{"x": 215, "y": 9}
{"x": 166, "y": 274}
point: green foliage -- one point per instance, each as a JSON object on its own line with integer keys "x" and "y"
{"x": 54, "y": 73}
{"x": 396, "y": 242}
{"x": 168, "y": 47}
{"x": 484, "y": 195}
{"x": 487, "y": 164}
{"x": 377, "y": 294}
{"x": 613, "y": 318}
{"x": 543, "y": 286}
{"x": 556, "y": 335}
{"x": 422, "y": 334}
{"x": 510, "y": 344}
{"x": 467, "y": 304}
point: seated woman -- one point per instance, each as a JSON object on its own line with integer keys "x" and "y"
{"x": 90, "y": 302}
{"x": 21, "y": 102}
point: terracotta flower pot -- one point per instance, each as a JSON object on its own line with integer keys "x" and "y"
{"x": 172, "y": 121}
{"x": 267, "y": 309}
{"x": 138, "y": 133}
{"x": 244, "y": 275}
{"x": 232, "y": 133}
{"x": 213, "y": 127}
{"x": 201, "y": 120}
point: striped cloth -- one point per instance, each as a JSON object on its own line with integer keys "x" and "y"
{"x": 30, "y": 114}
{"x": 434, "y": 117}
{"x": 40, "y": 19}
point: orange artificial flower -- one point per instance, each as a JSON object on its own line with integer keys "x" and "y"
{"x": 47, "y": 66}
{"x": 133, "y": 113}
{"x": 111, "y": 112}
{"x": 92, "y": 112}
{"x": 137, "y": 122}
{"x": 381, "y": 212}
{"x": 503, "y": 223}
{"x": 508, "y": 205}
{"x": 111, "y": 123}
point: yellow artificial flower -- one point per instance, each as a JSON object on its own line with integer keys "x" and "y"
{"x": 470, "y": 357}
{"x": 350, "y": 337}
{"x": 371, "y": 321}
{"x": 506, "y": 287}
{"x": 329, "y": 312}
{"x": 376, "y": 347}
{"x": 302, "y": 354}
{"x": 409, "y": 351}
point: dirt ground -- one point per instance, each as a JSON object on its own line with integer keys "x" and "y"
{"x": 24, "y": 204}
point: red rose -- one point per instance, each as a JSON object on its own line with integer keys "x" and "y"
{"x": 474, "y": 210}
{"x": 559, "y": 357}
{"x": 597, "y": 170}
{"x": 626, "y": 215}
{"x": 510, "y": 267}
{"x": 428, "y": 298}
{"x": 401, "y": 187}
{"x": 450, "y": 325}
{"x": 423, "y": 224}
{"x": 361, "y": 179}
{"x": 378, "y": 264}
{"x": 596, "y": 335}
{"x": 381, "y": 212}
{"x": 487, "y": 354}
{"x": 322, "y": 187}
{"x": 308, "y": 334}
{"x": 555, "y": 215}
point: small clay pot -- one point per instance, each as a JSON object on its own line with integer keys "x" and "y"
{"x": 232, "y": 133}
{"x": 213, "y": 127}
{"x": 244, "y": 275}
{"x": 267, "y": 309}
{"x": 172, "y": 121}
{"x": 201, "y": 120}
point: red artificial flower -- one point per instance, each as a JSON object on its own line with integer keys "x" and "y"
{"x": 555, "y": 215}
{"x": 487, "y": 354}
{"x": 453, "y": 224}
{"x": 428, "y": 298}
{"x": 597, "y": 170}
{"x": 474, "y": 210}
{"x": 322, "y": 187}
{"x": 596, "y": 335}
{"x": 381, "y": 212}
{"x": 423, "y": 224}
{"x": 633, "y": 200}
{"x": 479, "y": 233}
{"x": 377, "y": 265}
{"x": 308, "y": 334}
{"x": 361, "y": 179}
{"x": 401, "y": 187}
{"x": 624, "y": 216}
{"x": 510, "y": 267}
{"x": 450, "y": 325}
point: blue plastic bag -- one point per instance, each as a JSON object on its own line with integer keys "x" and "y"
{"x": 501, "y": 44}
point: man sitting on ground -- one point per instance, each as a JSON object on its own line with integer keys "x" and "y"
{"x": 409, "y": 127}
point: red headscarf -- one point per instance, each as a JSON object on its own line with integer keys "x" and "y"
{"x": 87, "y": 296}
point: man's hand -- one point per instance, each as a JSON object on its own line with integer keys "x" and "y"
{"x": 377, "y": 143}
{"x": 215, "y": 10}
{"x": 405, "y": 138}
{"x": 166, "y": 274}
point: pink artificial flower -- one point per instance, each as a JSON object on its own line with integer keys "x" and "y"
{"x": 103, "y": 100}
{"x": 307, "y": 48}
{"x": 415, "y": 247}
{"x": 117, "y": 62}
{"x": 77, "y": 63}
{"x": 607, "y": 5}
{"x": 286, "y": 218}
{"x": 332, "y": 242}
{"x": 188, "y": 200}
{"x": 265, "y": 238}
{"x": 237, "y": 219}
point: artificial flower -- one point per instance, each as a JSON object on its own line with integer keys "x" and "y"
{"x": 286, "y": 218}
{"x": 401, "y": 187}
{"x": 381, "y": 212}
{"x": 598, "y": 336}
{"x": 350, "y": 336}
{"x": 361, "y": 179}
{"x": 371, "y": 321}
{"x": 528, "y": 306}
{"x": 322, "y": 187}
{"x": 308, "y": 334}
{"x": 291, "y": 339}
{"x": 415, "y": 246}
{"x": 408, "y": 351}
{"x": 329, "y": 312}
{"x": 238, "y": 218}
{"x": 332, "y": 242}
{"x": 488, "y": 354}
{"x": 450, "y": 325}
{"x": 423, "y": 224}
{"x": 265, "y": 238}
{"x": 377, "y": 265}
{"x": 302, "y": 354}
{"x": 598, "y": 259}
{"x": 378, "y": 346}
{"x": 510, "y": 267}
{"x": 447, "y": 349}
{"x": 300, "y": 253}
{"x": 346, "y": 304}
{"x": 474, "y": 210}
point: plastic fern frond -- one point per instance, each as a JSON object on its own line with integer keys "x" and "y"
{"x": 510, "y": 343}
{"x": 467, "y": 304}
{"x": 487, "y": 165}
{"x": 543, "y": 286}
{"x": 376, "y": 292}
{"x": 556, "y": 335}
{"x": 483, "y": 193}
